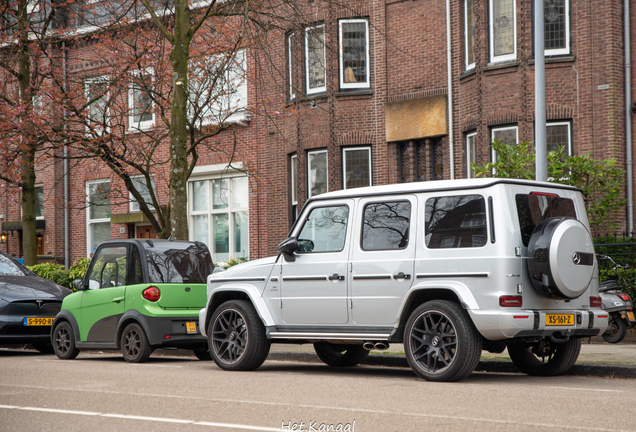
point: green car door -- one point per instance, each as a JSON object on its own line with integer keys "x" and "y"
{"x": 103, "y": 302}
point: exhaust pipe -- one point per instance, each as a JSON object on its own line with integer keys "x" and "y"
{"x": 378, "y": 346}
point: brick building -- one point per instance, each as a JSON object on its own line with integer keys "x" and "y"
{"x": 359, "y": 95}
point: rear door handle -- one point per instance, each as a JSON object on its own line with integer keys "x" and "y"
{"x": 335, "y": 277}
{"x": 401, "y": 275}
{"x": 118, "y": 299}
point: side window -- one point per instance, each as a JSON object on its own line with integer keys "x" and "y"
{"x": 136, "y": 273}
{"x": 324, "y": 230}
{"x": 455, "y": 222}
{"x": 534, "y": 208}
{"x": 108, "y": 268}
{"x": 386, "y": 226}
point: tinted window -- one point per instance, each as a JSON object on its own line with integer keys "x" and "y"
{"x": 168, "y": 263}
{"x": 9, "y": 268}
{"x": 136, "y": 275}
{"x": 455, "y": 222}
{"x": 324, "y": 230}
{"x": 386, "y": 225}
{"x": 533, "y": 209}
{"x": 108, "y": 268}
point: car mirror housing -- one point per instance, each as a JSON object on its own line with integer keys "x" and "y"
{"x": 287, "y": 247}
{"x": 78, "y": 284}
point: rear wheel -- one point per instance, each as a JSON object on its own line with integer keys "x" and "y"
{"x": 236, "y": 337}
{"x": 441, "y": 342}
{"x": 64, "y": 341}
{"x": 545, "y": 358}
{"x": 616, "y": 330}
{"x": 340, "y": 355}
{"x": 134, "y": 344}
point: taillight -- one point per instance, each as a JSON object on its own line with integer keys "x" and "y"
{"x": 596, "y": 302}
{"x": 624, "y": 296}
{"x": 152, "y": 294}
{"x": 510, "y": 301}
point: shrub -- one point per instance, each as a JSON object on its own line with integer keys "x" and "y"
{"x": 57, "y": 273}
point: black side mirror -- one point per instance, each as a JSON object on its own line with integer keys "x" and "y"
{"x": 78, "y": 284}
{"x": 287, "y": 247}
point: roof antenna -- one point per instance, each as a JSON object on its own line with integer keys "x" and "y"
{"x": 150, "y": 243}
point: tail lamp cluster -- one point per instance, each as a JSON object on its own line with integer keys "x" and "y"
{"x": 596, "y": 302}
{"x": 151, "y": 294}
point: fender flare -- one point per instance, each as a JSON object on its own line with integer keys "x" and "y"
{"x": 135, "y": 315}
{"x": 65, "y": 315}
{"x": 463, "y": 293}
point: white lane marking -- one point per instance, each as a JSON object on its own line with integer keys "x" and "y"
{"x": 131, "y": 364}
{"x": 586, "y": 389}
{"x": 132, "y": 417}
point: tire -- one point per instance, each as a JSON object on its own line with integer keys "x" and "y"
{"x": 616, "y": 329}
{"x": 63, "y": 341}
{"x": 340, "y": 355}
{"x": 441, "y": 342}
{"x": 44, "y": 348}
{"x": 134, "y": 344}
{"x": 545, "y": 358}
{"x": 202, "y": 354}
{"x": 236, "y": 337}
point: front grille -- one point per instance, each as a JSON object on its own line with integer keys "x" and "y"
{"x": 32, "y": 309}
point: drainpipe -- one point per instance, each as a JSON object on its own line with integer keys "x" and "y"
{"x": 628, "y": 122}
{"x": 65, "y": 162}
{"x": 450, "y": 91}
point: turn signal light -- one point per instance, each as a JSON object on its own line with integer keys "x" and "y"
{"x": 596, "y": 302}
{"x": 510, "y": 301}
{"x": 152, "y": 294}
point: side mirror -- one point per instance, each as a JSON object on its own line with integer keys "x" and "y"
{"x": 78, "y": 284}
{"x": 287, "y": 247}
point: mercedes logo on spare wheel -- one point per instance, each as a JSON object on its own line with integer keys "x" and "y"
{"x": 576, "y": 258}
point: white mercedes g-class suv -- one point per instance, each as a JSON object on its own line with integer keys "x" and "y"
{"x": 447, "y": 268}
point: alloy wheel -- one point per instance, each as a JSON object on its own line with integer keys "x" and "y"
{"x": 229, "y": 336}
{"x": 433, "y": 341}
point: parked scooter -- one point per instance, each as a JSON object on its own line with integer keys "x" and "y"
{"x": 619, "y": 305}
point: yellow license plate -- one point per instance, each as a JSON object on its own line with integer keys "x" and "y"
{"x": 191, "y": 327}
{"x": 631, "y": 316}
{"x": 38, "y": 321}
{"x": 559, "y": 319}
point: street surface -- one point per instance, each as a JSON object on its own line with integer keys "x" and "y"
{"x": 101, "y": 392}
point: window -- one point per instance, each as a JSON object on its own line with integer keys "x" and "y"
{"x": 108, "y": 268}
{"x": 559, "y": 135}
{"x": 556, "y": 27}
{"x": 219, "y": 216}
{"x": 140, "y": 184}
{"x": 290, "y": 65}
{"x": 168, "y": 264}
{"x": 39, "y": 202}
{"x": 293, "y": 167}
{"x": 421, "y": 160}
{"x": 324, "y": 230}
{"x": 469, "y": 33}
{"x": 37, "y": 104}
{"x": 318, "y": 172}
{"x": 534, "y": 209}
{"x": 505, "y": 135}
{"x": 503, "y": 32}
{"x": 354, "y": 54}
{"x": 218, "y": 90}
{"x": 455, "y": 222}
{"x": 386, "y": 226}
{"x": 97, "y": 214}
{"x": 471, "y": 154}
{"x": 315, "y": 59}
{"x": 356, "y": 167}
{"x": 140, "y": 104}
{"x": 96, "y": 93}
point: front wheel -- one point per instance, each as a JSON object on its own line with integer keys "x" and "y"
{"x": 616, "y": 329}
{"x": 545, "y": 358}
{"x": 441, "y": 343}
{"x": 134, "y": 344}
{"x": 236, "y": 337}
{"x": 340, "y": 355}
{"x": 63, "y": 341}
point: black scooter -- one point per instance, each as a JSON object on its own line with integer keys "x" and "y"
{"x": 619, "y": 306}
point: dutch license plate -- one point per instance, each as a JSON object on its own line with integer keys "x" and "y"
{"x": 559, "y": 319}
{"x": 191, "y": 327}
{"x": 38, "y": 321}
{"x": 631, "y": 316}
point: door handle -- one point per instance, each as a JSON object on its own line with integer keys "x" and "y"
{"x": 335, "y": 277}
{"x": 401, "y": 275}
{"x": 118, "y": 299}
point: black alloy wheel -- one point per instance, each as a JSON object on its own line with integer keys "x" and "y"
{"x": 64, "y": 341}
{"x": 134, "y": 344}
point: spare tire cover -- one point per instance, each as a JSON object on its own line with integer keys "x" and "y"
{"x": 561, "y": 258}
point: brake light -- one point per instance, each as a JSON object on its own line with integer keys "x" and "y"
{"x": 510, "y": 301}
{"x": 152, "y": 294}
{"x": 603, "y": 316}
{"x": 624, "y": 296}
{"x": 596, "y": 302}
{"x": 544, "y": 194}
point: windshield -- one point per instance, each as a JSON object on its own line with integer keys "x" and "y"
{"x": 167, "y": 263}
{"x": 533, "y": 209}
{"x": 9, "y": 268}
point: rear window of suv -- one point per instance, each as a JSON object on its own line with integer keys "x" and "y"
{"x": 170, "y": 264}
{"x": 534, "y": 208}
{"x": 455, "y": 222}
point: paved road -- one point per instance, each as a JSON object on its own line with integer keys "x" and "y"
{"x": 101, "y": 392}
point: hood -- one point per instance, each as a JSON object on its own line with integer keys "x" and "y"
{"x": 244, "y": 266}
{"x": 14, "y": 288}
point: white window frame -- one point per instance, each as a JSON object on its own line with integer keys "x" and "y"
{"x": 367, "y": 83}
{"x": 89, "y": 221}
{"x": 344, "y": 163}
{"x": 469, "y": 66}
{"x": 493, "y": 154}
{"x": 323, "y": 88}
{"x": 293, "y": 167}
{"x": 87, "y": 83}
{"x": 133, "y": 205}
{"x": 142, "y": 125}
{"x": 290, "y": 65}
{"x": 469, "y": 154}
{"x": 309, "y": 153}
{"x": 563, "y": 123}
{"x": 491, "y": 35}
{"x": 208, "y": 174}
{"x": 38, "y": 107}
{"x": 566, "y": 50}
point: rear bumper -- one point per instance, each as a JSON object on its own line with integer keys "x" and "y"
{"x": 172, "y": 332}
{"x": 499, "y": 325}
